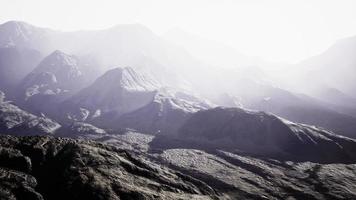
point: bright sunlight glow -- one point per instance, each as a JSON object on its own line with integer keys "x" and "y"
{"x": 276, "y": 30}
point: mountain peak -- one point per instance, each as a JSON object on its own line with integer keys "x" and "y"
{"x": 23, "y": 35}
{"x": 14, "y": 24}
{"x": 129, "y": 79}
{"x": 61, "y": 56}
{"x": 57, "y": 59}
{"x": 58, "y": 66}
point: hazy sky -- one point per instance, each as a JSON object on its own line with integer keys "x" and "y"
{"x": 277, "y": 30}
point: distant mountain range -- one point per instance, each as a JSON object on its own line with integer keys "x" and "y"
{"x": 227, "y": 130}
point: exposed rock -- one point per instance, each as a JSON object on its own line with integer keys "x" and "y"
{"x": 16, "y": 185}
{"x": 14, "y": 120}
{"x": 165, "y": 114}
{"x": 58, "y": 73}
{"x": 267, "y": 135}
{"x": 244, "y": 177}
{"x": 118, "y": 91}
{"x": 72, "y": 169}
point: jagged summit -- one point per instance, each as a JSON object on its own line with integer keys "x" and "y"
{"x": 120, "y": 79}
{"x": 62, "y": 67}
{"x": 130, "y": 79}
{"x": 57, "y": 77}
{"x": 59, "y": 61}
{"x": 119, "y": 90}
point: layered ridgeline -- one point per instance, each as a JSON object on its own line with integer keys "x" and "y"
{"x": 334, "y": 68}
{"x": 122, "y": 45}
{"x": 57, "y": 73}
{"x": 172, "y": 66}
{"x": 296, "y": 107}
{"x": 221, "y": 153}
{"x": 57, "y": 77}
{"x": 159, "y": 110}
{"x": 262, "y": 134}
{"x": 126, "y": 98}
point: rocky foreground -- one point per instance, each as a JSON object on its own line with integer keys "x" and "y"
{"x": 41, "y": 167}
{"x": 35, "y": 168}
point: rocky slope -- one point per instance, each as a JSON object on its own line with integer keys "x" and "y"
{"x": 56, "y": 78}
{"x": 57, "y": 73}
{"x": 14, "y": 120}
{"x": 126, "y": 98}
{"x": 240, "y": 176}
{"x": 165, "y": 114}
{"x": 258, "y": 133}
{"x": 49, "y": 168}
{"x": 276, "y": 159}
{"x": 119, "y": 90}
{"x": 220, "y": 153}
{"x": 295, "y": 107}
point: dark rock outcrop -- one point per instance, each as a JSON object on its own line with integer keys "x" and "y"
{"x": 72, "y": 169}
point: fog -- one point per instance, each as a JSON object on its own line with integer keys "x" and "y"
{"x": 276, "y": 30}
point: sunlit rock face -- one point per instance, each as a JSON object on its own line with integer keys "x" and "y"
{"x": 57, "y": 73}
{"x": 121, "y": 90}
{"x": 57, "y": 77}
{"x": 127, "y": 98}
{"x": 165, "y": 114}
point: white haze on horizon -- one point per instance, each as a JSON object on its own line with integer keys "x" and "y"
{"x": 277, "y": 30}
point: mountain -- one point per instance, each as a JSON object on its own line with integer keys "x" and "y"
{"x": 122, "y": 45}
{"x": 238, "y": 174}
{"x": 261, "y": 134}
{"x": 58, "y": 71}
{"x": 334, "y": 68}
{"x": 57, "y": 77}
{"x": 165, "y": 114}
{"x": 337, "y": 100}
{"x": 253, "y": 94}
{"x": 24, "y": 36}
{"x": 127, "y": 98}
{"x": 15, "y": 121}
{"x": 118, "y": 91}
